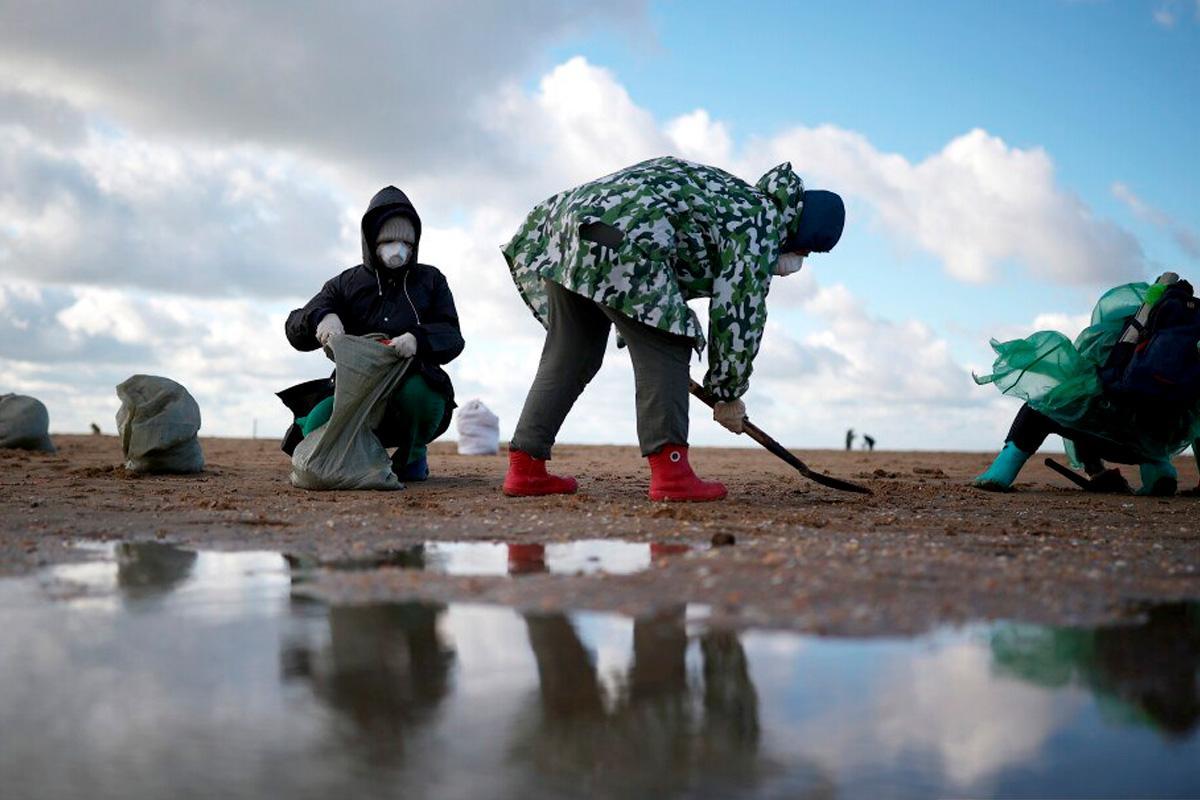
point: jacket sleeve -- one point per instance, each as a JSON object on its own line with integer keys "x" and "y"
{"x": 438, "y": 336}
{"x": 301, "y": 325}
{"x": 737, "y": 316}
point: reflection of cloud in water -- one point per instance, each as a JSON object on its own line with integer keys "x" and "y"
{"x": 937, "y": 710}
{"x": 948, "y": 703}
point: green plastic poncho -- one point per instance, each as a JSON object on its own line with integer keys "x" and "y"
{"x": 1061, "y": 379}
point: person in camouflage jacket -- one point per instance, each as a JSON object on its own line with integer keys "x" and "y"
{"x": 631, "y": 249}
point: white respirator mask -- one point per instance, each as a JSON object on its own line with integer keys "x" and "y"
{"x": 394, "y": 254}
{"x": 787, "y": 264}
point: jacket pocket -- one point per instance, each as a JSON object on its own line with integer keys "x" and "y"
{"x": 602, "y": 234}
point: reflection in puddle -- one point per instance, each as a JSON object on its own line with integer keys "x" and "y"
{"x": 171, "y": 673}
{"x": 583, "y": 557}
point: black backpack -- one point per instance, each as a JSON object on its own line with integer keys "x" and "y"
{"x": 1161, "y": 366}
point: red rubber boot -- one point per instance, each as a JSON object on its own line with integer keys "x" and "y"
{"x": 527, "y": 477}
{"x": 671, "y": 478}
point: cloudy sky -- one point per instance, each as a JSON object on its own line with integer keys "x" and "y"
{"x": 176, "y": 176}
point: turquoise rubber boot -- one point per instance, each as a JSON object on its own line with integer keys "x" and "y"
{"x": 1000, "y": 475}
{"x": 1159, "y": 479}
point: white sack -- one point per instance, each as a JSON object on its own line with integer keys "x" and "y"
{"x": 478, "y": 430}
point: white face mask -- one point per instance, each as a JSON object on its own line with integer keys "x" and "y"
{"x": 787, "y": 264}
{"x": 394, "y": 254}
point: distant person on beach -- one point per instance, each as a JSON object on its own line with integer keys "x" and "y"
{"x": 628, "y": 251}
{"x": 1126, "y": 390}
{"x": 393, "y": 294}
{"x": 850, "y": 439}
{"x": 869, "y": 443}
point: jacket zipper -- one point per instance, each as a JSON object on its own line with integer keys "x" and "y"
{"x": 410, "y": 302}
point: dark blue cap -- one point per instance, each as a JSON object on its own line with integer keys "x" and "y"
{"x": 821, "y": 221}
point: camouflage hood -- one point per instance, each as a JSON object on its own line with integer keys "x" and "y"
{"x": 648, "y": 238}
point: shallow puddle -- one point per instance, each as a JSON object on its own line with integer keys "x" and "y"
{"x": 160, "y": 672}
{"x": 582, "y": 557}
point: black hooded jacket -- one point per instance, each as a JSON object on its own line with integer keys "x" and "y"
{"x": 371, "y": 298}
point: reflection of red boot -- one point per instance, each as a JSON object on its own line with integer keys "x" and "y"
{"x": 527, "y": 477}
{"x": 671, "y": 478}
{"x": 662, "y": 550}
{"x": 526, "y": 558}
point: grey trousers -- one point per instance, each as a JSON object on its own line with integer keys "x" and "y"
{"x": 574, "y": 349}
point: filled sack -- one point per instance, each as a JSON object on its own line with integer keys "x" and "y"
{"x": 478, "y": 430}
{"x": 24, "y": 424}
{"x": 345, "y": 453}
{"x": 158, "y": 422}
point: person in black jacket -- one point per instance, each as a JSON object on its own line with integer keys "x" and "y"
{"x": 391, "y": 293}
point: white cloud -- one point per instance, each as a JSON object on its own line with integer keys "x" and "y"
{"x": 896, "y": 380}
{"x": 1070, "y": 324}
{"x": 578, "y": 124}
{"x": 698, "y": 137}
{"x": 1168, "y": 13}
{"x": 118, "y": 211}
{"x": 377, "y": 87}
{"x": 100, "y": 311}
{"x": 1185, "y": 236}
{"x": 1065, "y": 323}
{"x": 978, "y": 204}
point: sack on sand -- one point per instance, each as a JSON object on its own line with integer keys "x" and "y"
{"x": 158, "y": 421}
{"x": 345, "y": 453}
{"x": 478, "y": 430}
{"x": 24, "y": 424}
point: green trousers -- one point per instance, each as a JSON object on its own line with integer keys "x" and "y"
{"x": 414, "y": 412}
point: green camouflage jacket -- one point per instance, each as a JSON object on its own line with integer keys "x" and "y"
{"x": 689, "y": 231}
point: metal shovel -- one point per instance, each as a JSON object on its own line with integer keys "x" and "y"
{"x": 778, "y": 450}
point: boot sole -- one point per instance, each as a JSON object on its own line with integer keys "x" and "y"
{"x": 515, "y": 493}
{"x": 668, "y": 499}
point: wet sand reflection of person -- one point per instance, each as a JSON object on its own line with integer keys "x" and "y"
{"x": 386, "y": 669}
{"x": 148, "y": 570}
{"x": 648, "y": 737}
{"x": 1141, "y": 674}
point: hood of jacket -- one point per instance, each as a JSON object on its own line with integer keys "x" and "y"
{"x": 387, "y": 202}
{"x": 786, "y": 191}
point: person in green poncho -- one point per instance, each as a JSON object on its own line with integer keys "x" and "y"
{"x": 1126, "y": 390}
{"x": 629, "y": 250}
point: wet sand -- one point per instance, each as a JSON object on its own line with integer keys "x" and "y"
{"x": 924, "y": 550}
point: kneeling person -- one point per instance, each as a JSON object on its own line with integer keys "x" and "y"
{"x": 393, "y": 294}
{"x": 1126, "y": 390}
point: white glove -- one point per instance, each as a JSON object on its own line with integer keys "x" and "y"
{"x": 329, "y": 326}
{"x": 731, "y": 414}
{"x": 405, "y": 345}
